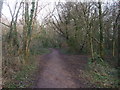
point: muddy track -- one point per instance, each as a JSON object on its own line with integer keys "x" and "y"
{"x": 54, "y": 73}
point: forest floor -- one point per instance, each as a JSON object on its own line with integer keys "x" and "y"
{"x": 57, "y": 70}
{"x": 53, "y": 68}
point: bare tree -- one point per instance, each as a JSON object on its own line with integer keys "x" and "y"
{"x": 100, "y": 28}
{"x": 28, "y": 27}
{"x": 118, "y": 21}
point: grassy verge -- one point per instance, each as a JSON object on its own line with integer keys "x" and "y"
{"x": 22, "y": 78}
{"x": 39, "y": 51}
{"x": 102, "y": 75}
{"x": 26, "y": 76}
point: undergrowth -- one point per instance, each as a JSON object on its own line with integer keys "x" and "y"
{"x": 101, "y": 74}
{"x": 22, "y": 78}
{"x": 38, "y": 51}
{"x": 26, "y": 77}
{"x": 68, "y": 51}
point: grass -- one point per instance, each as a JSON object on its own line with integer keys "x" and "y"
{"x": 102, "y": 75}
{"x": 39, "y": 51}
{"x": 68, "y": 51}
{"x": 25, "y": 77}
{"x": 22, "y": 78}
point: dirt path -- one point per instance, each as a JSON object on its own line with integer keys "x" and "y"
{"x": 55, "y": 74}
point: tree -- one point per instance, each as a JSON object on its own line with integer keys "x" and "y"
{"x": 101, "y": 29}
{"x": 28, "y": 17}
{"x": 118, "y": 22}
{"x": 1, "y": 4}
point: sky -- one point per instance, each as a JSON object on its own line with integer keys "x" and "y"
{"x": 43, "y": 12}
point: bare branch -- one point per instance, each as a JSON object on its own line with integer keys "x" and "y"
{"x": 5, "y": 24}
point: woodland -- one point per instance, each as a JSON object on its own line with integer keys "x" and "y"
{"x": 80, "y": 36}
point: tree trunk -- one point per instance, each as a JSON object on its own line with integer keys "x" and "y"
{"x": 1, "y": 4}
{"x": 118, "y": 21}
{"x": 28, "y": 28}
{"x": 101, "y": 30}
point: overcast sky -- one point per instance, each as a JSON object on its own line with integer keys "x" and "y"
{"x": 6, "y": 11}
{"x": 42, "y": 14}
